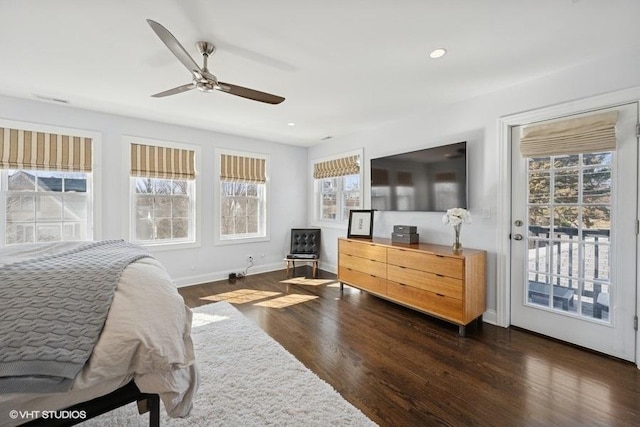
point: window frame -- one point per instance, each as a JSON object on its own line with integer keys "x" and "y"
{"x": 217, "y": 200}
{"x": 316, "y": 186}
{"x": 94, "y": 178}
{"x": 130, "y": 213}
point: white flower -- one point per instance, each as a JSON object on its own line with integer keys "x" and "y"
{"x": 457, "y": 216}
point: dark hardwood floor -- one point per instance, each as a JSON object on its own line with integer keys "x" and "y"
{"x": 403, "y": 368}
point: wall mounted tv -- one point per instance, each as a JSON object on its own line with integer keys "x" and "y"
{"x": 432, "y": 180}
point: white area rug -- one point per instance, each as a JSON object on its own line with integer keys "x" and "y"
{"x": 248, "y": 379}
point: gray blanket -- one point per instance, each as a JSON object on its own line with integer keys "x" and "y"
{"x": 52, "y": 310}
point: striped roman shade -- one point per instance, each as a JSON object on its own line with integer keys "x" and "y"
{"x": 24, "y": 149}
{"x": 151, "y": 161}
{"x": 337, "y": 167}
{"x": 244, "y": 169}
{"x": 586, "y": 134}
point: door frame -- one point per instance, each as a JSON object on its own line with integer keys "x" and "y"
{"x": 503, "y": 217}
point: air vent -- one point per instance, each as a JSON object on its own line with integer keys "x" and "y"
{"x": 51, "y": 99}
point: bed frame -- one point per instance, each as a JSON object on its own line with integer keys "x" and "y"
{"x": 100, "y": 405}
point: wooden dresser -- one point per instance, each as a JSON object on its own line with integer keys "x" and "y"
{"x": 428, "y": 278}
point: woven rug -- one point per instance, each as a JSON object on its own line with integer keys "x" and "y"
{"x": 248, "y": 379}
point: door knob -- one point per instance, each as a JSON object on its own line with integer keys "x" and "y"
{"x": 517, "y": 236}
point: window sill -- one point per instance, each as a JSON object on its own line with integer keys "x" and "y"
{"x": 167, "y": 246}
{"x": 334, "y": 225}
{"x": 241, "y": 240}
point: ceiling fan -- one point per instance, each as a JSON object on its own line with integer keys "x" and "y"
{"x": 203, "y": 80}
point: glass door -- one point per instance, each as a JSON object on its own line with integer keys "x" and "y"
{"x": 573, "y": 243}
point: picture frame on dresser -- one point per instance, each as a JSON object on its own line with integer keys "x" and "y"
{"x": 360, "y": 224}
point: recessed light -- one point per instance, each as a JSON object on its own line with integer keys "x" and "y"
{"x": 292, "y": 124}
{"x": 438, "y": 53}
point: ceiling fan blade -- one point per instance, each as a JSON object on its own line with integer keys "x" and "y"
{"x": 250, "y": 93}
{"x": 175, "y": 90}
{"x": 174, "y": 46}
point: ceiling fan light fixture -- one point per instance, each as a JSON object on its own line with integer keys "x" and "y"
{"x": 438, "y": 53}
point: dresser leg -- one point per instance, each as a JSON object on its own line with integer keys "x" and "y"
{"x": 462, "y": 331}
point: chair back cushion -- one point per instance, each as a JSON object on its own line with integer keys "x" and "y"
{"x": 305, "y": 241}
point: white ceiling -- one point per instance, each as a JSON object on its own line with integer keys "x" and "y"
{"x": 342, "y": 65}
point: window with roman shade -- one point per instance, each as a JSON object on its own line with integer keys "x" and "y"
{"x": 243, "y": 197}
{"x": 338, "y": 190}
{"x": 163, "y": 180}
{"x": 46, "y": 183}
{"x": 586, "y": 134}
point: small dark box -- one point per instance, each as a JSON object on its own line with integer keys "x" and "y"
{"x": 405, "y": 237}
{"x": 404, "y": 229}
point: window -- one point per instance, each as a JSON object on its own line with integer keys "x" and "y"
{"x": 338, "y": 189}
{"x": 337, "y": 197}
{"x": 243, "y": 192}
{"x": 163, "y": 210}
{"x": 46, "y": 184}
{"x": 163, "y": 184}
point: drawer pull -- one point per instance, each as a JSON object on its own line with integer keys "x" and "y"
{"x": 440, "y": 295}
{"x": 440, "y": 256}
{"x": 439, "y": 275}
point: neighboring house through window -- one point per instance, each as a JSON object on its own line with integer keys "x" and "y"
{"x": 163, "y": 189}
{"x": 242, "y": 197}
{"x": 46, "y": 183}
{"x": 338, "y": 188}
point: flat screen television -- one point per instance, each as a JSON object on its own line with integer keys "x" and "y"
{"x": 432, "y": 180}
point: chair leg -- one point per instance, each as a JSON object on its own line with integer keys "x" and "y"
{"x": 315, "y": 269}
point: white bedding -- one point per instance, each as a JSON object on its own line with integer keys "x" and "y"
{"x": 147, "y": 337}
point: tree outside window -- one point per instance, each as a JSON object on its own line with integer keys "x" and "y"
{"x": 242, "y": 209}
{"x": 163, "y": 209}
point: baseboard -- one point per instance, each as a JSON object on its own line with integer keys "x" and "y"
{"x": 490, "y": 316}
{"x": 182, "y": 282}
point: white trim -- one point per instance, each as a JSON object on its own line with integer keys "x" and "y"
{"x": 505, "y": 123}
{"x": 217, "y": 241}
{"x": 128, "y": 200}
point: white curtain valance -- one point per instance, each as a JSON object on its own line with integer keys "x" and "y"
{"x": 24, "y": 149}
{"x": 587, "y": 134}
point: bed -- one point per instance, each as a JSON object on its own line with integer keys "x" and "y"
{"x": 146, "y": 339}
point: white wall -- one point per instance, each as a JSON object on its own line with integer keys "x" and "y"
{"x": 287, "y": 199}
{"x": 475, "y": 121}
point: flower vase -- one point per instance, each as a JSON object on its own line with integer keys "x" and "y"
{"x": 457, "y": 246}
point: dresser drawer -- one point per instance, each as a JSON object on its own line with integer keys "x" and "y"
{"x": 375, "y": 284}
{"x": 364, "y": 265}
{"x": 363, "y": 250}
{"x": 437, "y": 264}
{"x": 438, "y": 284}
{"x": 430, "y": 302}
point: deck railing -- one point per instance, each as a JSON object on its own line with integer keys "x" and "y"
{"x": 562, "y": 240}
